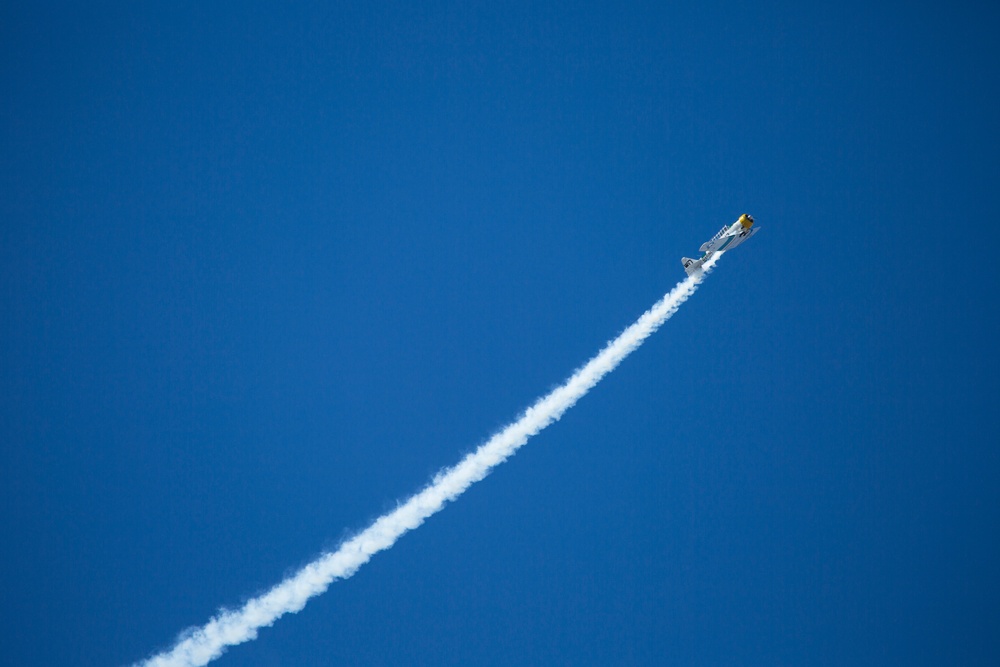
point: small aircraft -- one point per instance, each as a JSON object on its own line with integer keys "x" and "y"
{"x": 728, "y": 238}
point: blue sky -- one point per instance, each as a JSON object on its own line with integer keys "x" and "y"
{"x": 266, "y": 269}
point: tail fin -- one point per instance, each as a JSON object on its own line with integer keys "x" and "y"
{"x": 690, "y": 265}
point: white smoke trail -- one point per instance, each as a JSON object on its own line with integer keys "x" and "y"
{"x": 202, "y": 645}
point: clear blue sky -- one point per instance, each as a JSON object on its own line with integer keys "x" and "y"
{"x": 265, "y": 269}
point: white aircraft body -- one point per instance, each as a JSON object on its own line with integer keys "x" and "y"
{"x": 728, "y": 238}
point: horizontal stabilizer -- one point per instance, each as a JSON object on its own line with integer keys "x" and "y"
{"x": 691, "y": 265}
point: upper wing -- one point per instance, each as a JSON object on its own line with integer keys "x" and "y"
{"x": 709, "y": 246}
{"x": 730, "y": 241}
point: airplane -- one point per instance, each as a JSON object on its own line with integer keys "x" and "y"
{"x": 728, "y": 238}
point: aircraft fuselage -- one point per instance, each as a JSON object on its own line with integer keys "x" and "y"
{"x": 727, "y": 238}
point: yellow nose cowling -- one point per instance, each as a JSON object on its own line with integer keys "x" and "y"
{"x": 746, "y": 220}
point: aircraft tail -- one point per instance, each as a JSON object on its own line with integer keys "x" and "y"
{"x": 690, "y": 265}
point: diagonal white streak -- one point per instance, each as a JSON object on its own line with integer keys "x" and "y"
{"x": 202, "y": 645}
